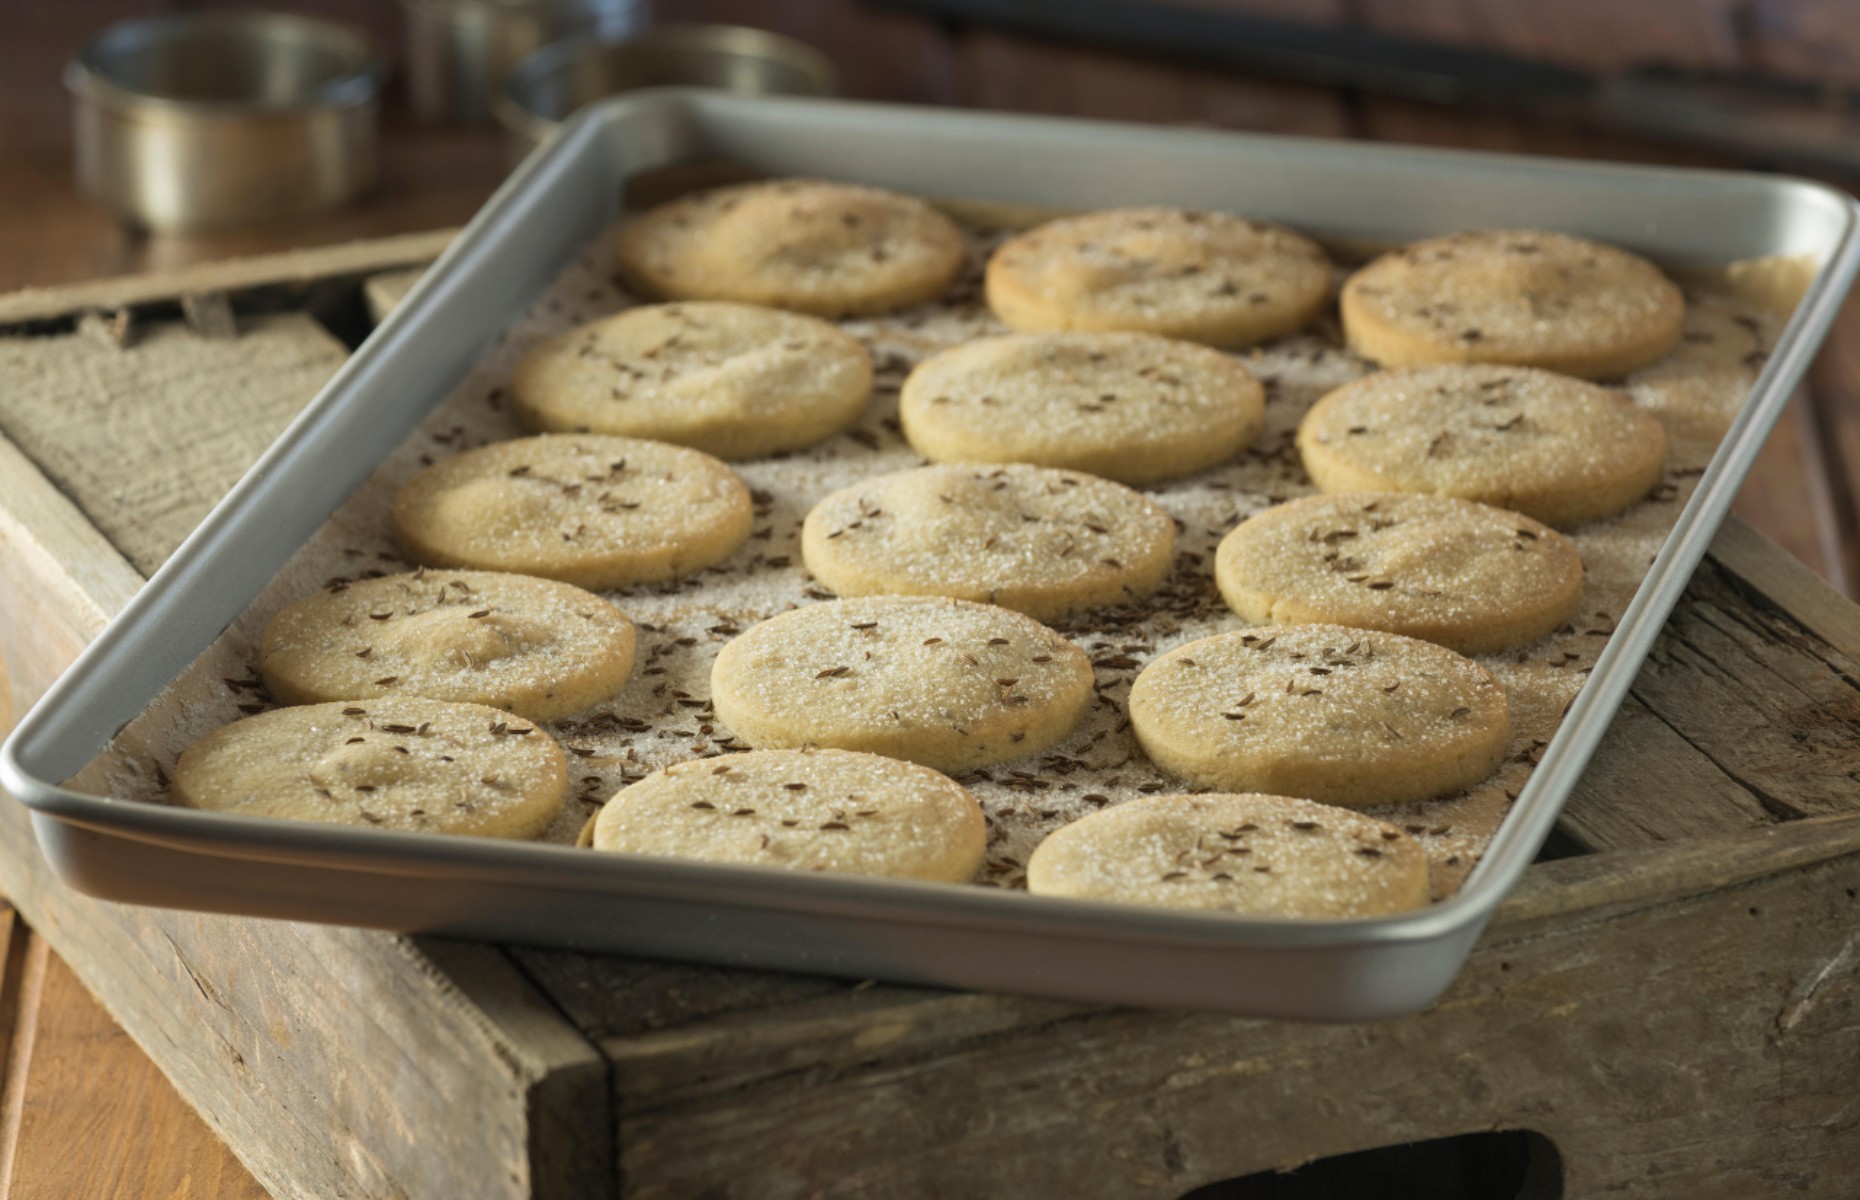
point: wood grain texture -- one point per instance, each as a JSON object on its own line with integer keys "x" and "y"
{"x": 341, "y": 1062}
{"x": 301, "y": 265}
{"x": 97, "y": 1119}
{"x": 1680, "y": 1077}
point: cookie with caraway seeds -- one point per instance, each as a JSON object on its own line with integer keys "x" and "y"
{"x": 1523, "y": 297}
{"x": 1044, "y": 542}
{"x": 395, "y": 762}
{"x": 809, "y": 245}
{"x": 1467, "y": 576}
{"x": 1207, "y": 277}
{"x": 595, "y": 511}
{"x": 531, "y": 646}
{"x": 946, "y": 683}
{"x": 1546, "y": 445}
{"x": 1337, "y": 715}
{"x": 732, "y": 380}
{"x": 1259, "y": 855}
{"x": 803, "y": 810}
{"x": 1131, "y": 407}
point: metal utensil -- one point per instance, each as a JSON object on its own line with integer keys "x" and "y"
{"x": 557, "y": 80}
{"x": 198, "y": 120}
{"x": 460, "y": 51}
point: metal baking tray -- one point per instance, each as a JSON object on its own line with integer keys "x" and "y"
{"x": 966, "y": 937}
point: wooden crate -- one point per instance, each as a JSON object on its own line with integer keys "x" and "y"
{"x": 1672, "y": 998}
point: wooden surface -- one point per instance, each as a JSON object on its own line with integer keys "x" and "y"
{"x": 1697, "y": 966}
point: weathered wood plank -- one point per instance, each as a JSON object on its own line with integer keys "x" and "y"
{"x": 1788, "y": 585}
{"x": 382, "y": 292}
{"x": 60, "y": 580}
{"x": 232, "y": 275}
{"x": 97, "y": 1118}
{"x": 206, "y": 406}
{"x": 1623, "y": 800}
{"x": 1576, "y": 1027}
{"x": 1771, "y": 706}
{"x": 337, "y": 1060}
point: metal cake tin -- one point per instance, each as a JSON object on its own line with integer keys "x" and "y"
{"x": 203, "y": 120}
{"x": 860, "y": 927}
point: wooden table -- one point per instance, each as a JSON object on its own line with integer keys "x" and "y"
{"x": 1736, "y": 828}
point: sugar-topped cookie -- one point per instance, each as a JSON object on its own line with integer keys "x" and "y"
{"x": 946, "y": 683}
{"x": 395, "y": 762}
{"x": 531, "y": 646}
{"x": 1037, "y": 540}
{"x": 1264, "y": 855}
{"x": 1127, "y": 406}
{"x": 1513, "y": 296}
{"x": 1696, "y": 391}
{"x": 1205, "y": 276}
{"x": 831, "y": 249}
{"x": 1337, "y": 715}
{"x": 1466, "y": 576}
{"x": 596, "y": 511}
{"x": 806, "y": 810}
{"x": 731, "y": 380}
{"x": 1544, "y": 444}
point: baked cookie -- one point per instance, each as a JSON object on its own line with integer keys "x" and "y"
{"x": 1696, "y": 391}
{"x": 831, "y": 249}
{"x": 1465, "y": 576}
{"x": 1205, "y": 276}
{"x": 1128, "y": 406}
{"x": 1044, "y": 542}
{"x": 946, "y": 683}
{"x": 396, "y": 762}
{"x": 1337, "y": 715}
{"x": 1543, "y": 444}
{"x": 598, "y": 512}
{"x": 1513, "y": 296}
{"x": 534, "y": 647}
{"x": 1268, "y": 855}
{"x": 731, "y": 380}
{"x": 806, "y": 810}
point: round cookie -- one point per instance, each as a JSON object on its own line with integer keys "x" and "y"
{"x": 591, "y": 510}
{"x": 806, "y": 810}
{"x": 1513, "y": 296}
{"x": 831, "y": 249}
{"x": 1205, "y": 276}
{"x": 397, "y": 762}
{"x": 1337, "y": 715}
{"x": 1543, "y": 444}
{"x": 731, "y": 380}
{"x": 946, "y": 683}
{"x": 1127, "y": 406}
{"x": 531, "y": 646}
{"x": 1265, "y": 855}
{"x": 1044, "y": 542}
{"x": 1465, "y": 576}
{"x": 1697, "y": 390}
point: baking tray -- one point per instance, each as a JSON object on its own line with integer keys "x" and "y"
{"x": 968, "y": 937}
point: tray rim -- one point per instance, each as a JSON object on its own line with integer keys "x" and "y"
{"x": 464, "y": 860}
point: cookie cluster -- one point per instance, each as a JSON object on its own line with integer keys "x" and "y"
{"x": 959, "y": 606}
